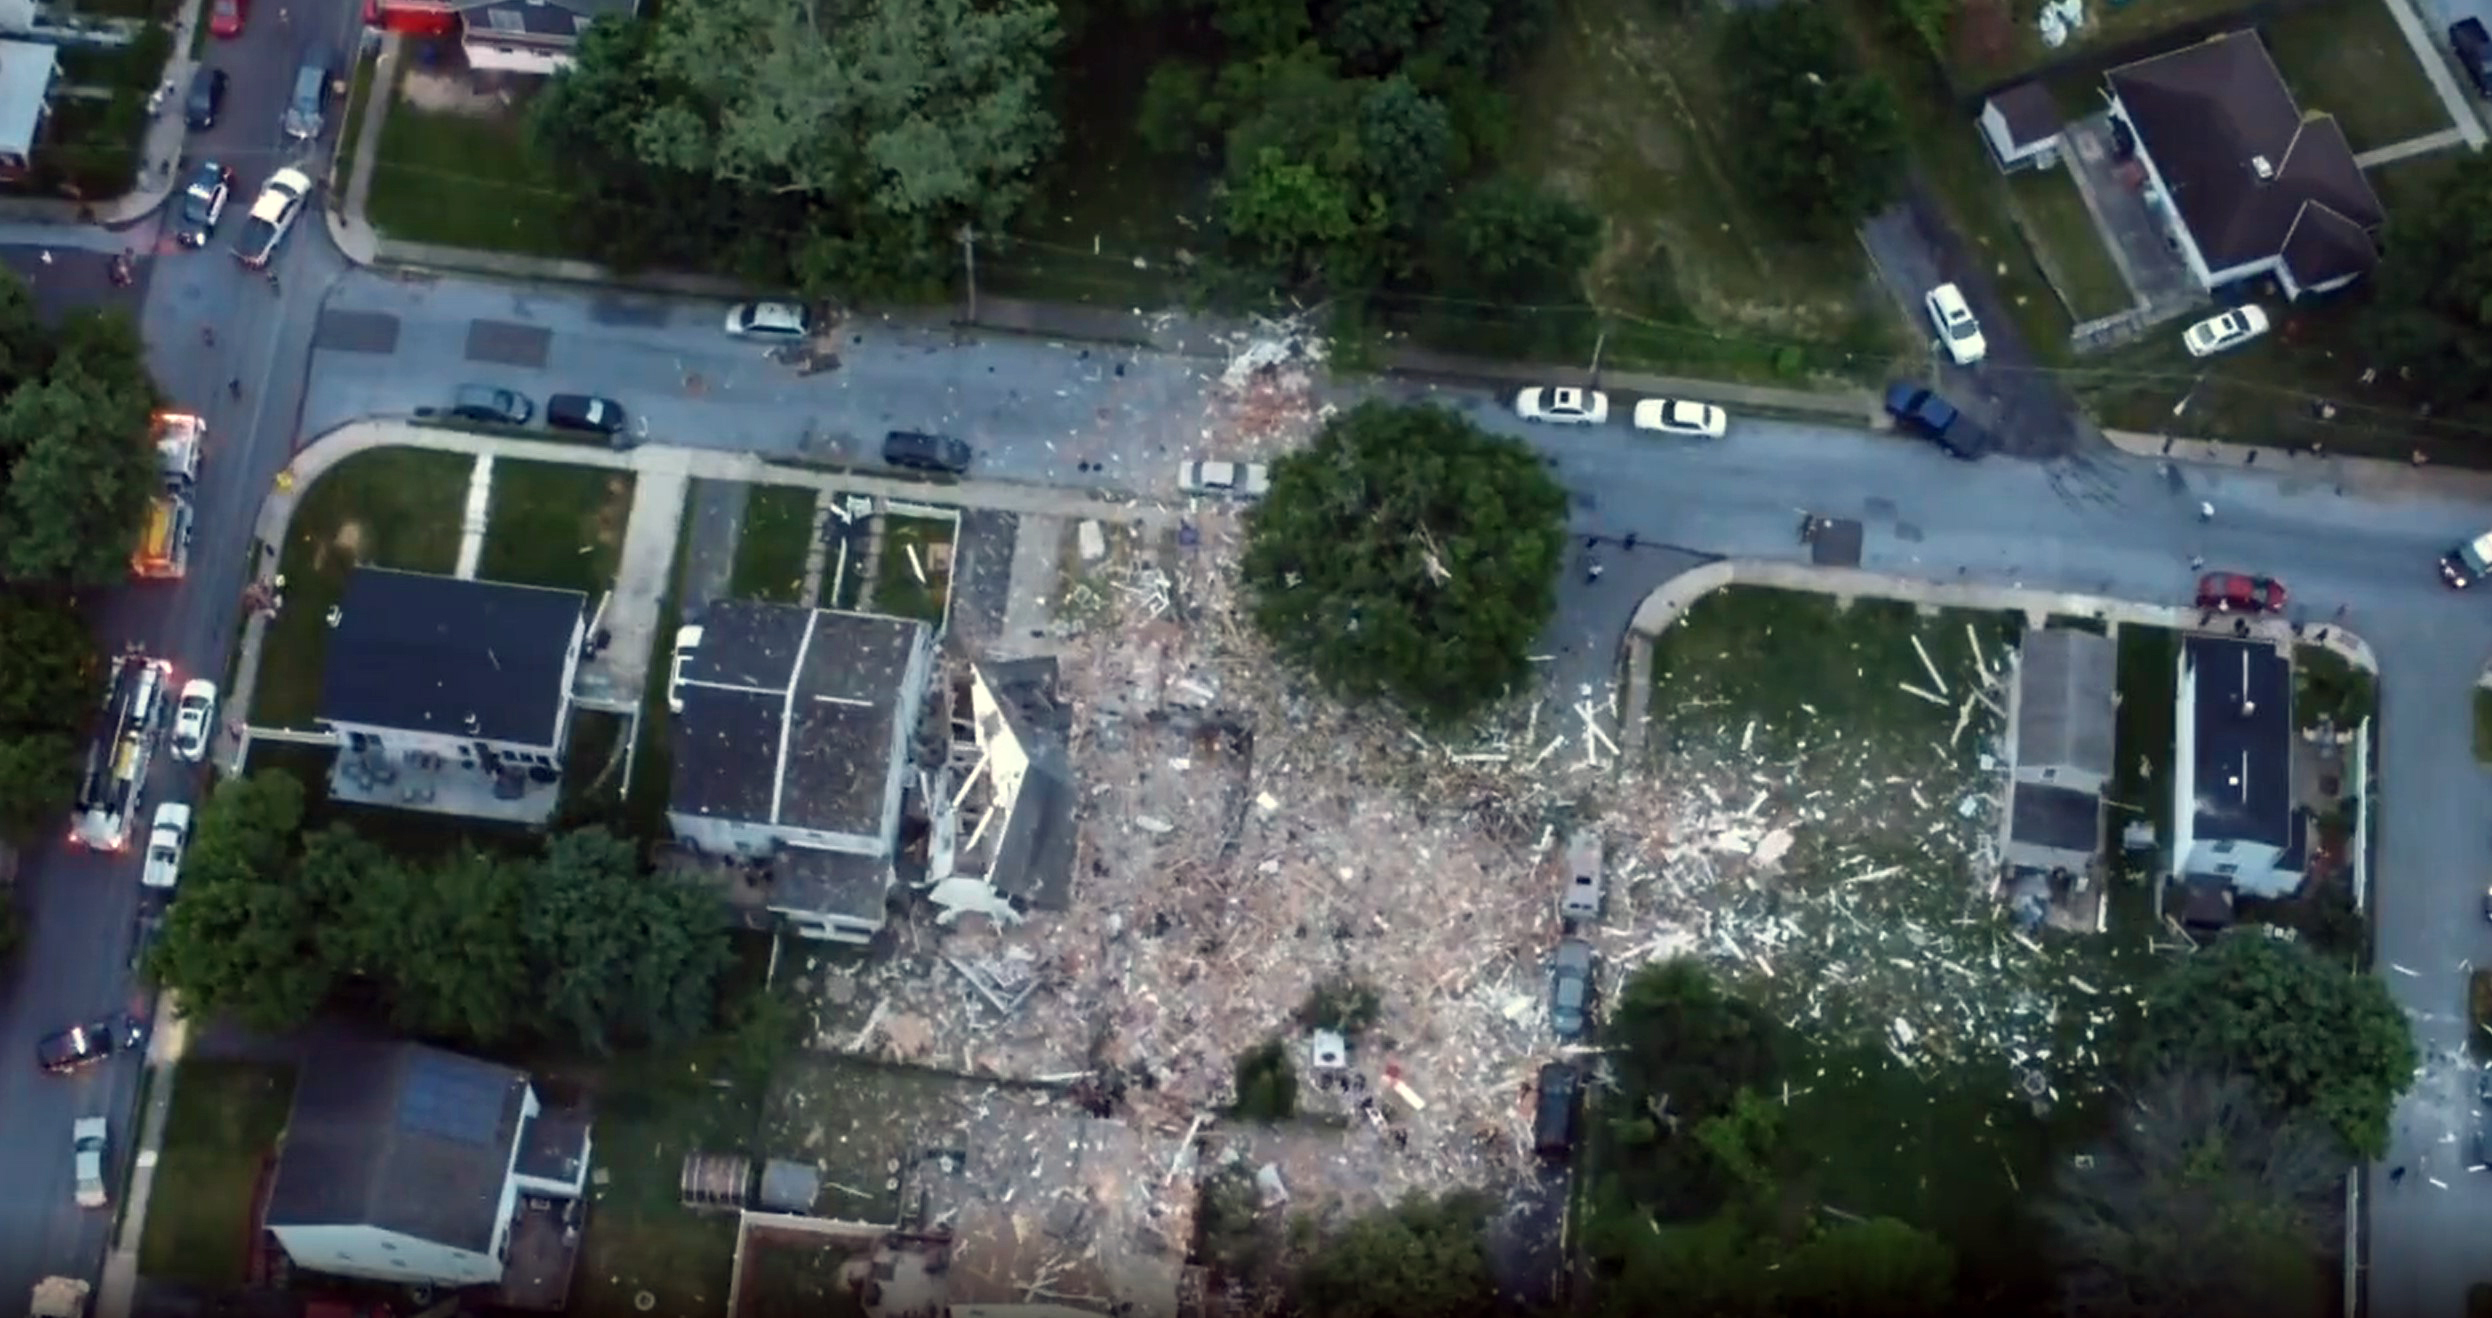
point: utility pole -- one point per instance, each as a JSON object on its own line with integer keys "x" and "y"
{"x": 969, "y": 262}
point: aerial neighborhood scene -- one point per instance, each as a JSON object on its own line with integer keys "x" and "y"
{"x": 1202, "y": 658}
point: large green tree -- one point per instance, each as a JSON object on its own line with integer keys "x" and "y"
{"x": 1424, "y": 1256}
{"x": 78, "y": 469}
{"x": 48, "y": 674}
{"x": 2202, "y": 1197}
{"x": 244, "y": 941}
{"x": 1408, "y": 554}
{"x": 1824, "y": 140}
{"x": 2318, "y": 1040}
{"x": 841, "y": 142}
{"x": 620, "y": 955}
{"x": 2430, "y": 314}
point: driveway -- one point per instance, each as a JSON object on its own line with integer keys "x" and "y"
{"x": 1916, "y": 250}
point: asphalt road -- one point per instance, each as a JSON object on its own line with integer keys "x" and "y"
{"x": 337, "y": 344}
{"x": 82, "y": 906}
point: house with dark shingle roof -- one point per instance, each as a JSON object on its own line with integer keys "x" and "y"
{"x": 408, "y": 1164}
{"x": 2248, "y": 185}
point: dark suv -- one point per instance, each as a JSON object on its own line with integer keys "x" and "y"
{"x": 2473, "y": 47}
{"x": 919, "y": 451}
{"x": 77, "y": 1047}
{"x": 207, "y": 98}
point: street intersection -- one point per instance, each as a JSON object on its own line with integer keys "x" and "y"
{"x": 330, "y": 343}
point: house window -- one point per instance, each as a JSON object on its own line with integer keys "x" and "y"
{"x": 2223, "y": 848}
{"x": 2228, "y": 869}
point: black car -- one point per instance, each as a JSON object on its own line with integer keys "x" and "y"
{"x": 2472, "y": 44}
{"x": 602, "y": 416}
{"x": 484, "y": 402}
{"x": 207, "y": 98}
{"x": 1553, "y": 1118}
{"x": 203, "y": 202}
{"x": 78, "y": 1047}
{"x": 919, "y": 451}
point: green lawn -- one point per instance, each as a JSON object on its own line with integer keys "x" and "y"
{"x": 644, "y": 814}
{"x": 1626, "y": 107}
{"x": 2326, "y": 685}
{"x": 592, "y": 766}
{"x": 652, "y": 1109}
{"x": 2350, "y": 60}
{"x": 390, "y": 507}
{"x": 897, "y": 590}
{"x": 223, "y": 1126}
{"x": 1807, "y": 670}
{"x": 2068, "y": 246}
{"x": 465, "y": 180}
{"x": 554, "y": 524}
{"x": 770, "y": 553}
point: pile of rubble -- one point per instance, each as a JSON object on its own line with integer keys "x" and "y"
{"x": 1265, "y": 401}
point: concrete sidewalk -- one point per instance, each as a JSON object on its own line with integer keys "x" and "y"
{"x": 2371, "y": 475}
{"x": 165, "y": 1045}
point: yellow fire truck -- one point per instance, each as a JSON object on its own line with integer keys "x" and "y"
{"x": 164, "y": 542}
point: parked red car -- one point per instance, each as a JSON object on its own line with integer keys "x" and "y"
{"x": 225, "y": 20}
{"x": 2236, "y": 592}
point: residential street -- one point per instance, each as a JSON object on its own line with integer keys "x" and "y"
{"x": 336, "y": 344}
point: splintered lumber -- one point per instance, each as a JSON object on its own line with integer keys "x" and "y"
{"x": 1973, "y": 639}
{"x": 1909, "y": 689}
{"x": 1931, "y": 668}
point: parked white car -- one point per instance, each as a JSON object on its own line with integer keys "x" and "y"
{"x": 86, "y": 1152}
{"x": 783, "y": 321}
{"x": 2230, "y": 330}
{"x": 1957, "y": 329}
{"x": 1564, "y": 407}
{"x": 165, "y": 842}
{"x": 1231, "y": 479}
{"x": 194, "y": 720}
{"x": 1678, "y": 416}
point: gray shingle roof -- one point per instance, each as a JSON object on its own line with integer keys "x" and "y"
{"x": 400, "y": 1137}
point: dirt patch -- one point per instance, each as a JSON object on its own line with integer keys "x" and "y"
{"x": 613, "y": 513}
{"x": 454, "y": 93}
{"x": 348, "y": 543}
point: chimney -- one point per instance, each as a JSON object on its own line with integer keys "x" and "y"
{"x": 2259, "y": 166}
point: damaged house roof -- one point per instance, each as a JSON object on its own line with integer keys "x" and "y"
{"x": 791, "y": 718}
{"x": 399, "y": 1137}
{"x": 1034, "y": 859}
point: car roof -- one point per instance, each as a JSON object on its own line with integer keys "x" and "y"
{"x": 1950, "y": 298}
{"x": 172, "y": 810}
{"x": 198, "y": 686}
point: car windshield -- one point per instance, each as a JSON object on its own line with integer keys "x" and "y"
{"x": 1960, "y": 325}
{"x": 197, "y": 200}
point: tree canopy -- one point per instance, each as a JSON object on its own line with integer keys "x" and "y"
{"x": 1825, "y": 139}
{"x": 2201, "y": 1198}
{"x": 1425, "y": 1256}
{"x": 838, "y": 144}
{"x": 75, "y": 467}
{"x": 48, "y": 678}
{"x": 2318, "y": 1041}
{"x": 2430, "y": 314}
{"x": 576, "y": 944}
{"x": 1407, "y": 554}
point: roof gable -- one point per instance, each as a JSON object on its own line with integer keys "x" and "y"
{"x": 2240, "y": 159}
